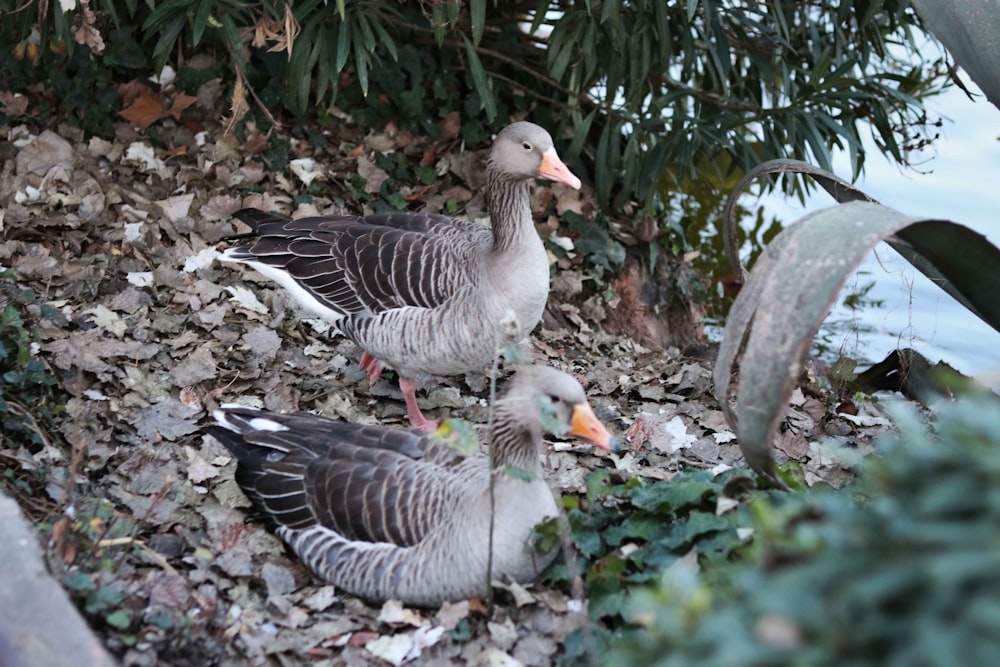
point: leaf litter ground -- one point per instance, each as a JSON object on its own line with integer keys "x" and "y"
{"x": 148, "y": 530}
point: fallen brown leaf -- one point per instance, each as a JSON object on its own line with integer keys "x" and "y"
{"x": 180, "y": 103}
{"x": 145, "y": 110}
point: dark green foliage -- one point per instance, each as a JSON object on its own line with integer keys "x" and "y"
{"x": 652, "y": 93}
{"x": 101, "y": 596}
{"x": 84, "y": 85}
{"x": 902, "y": 569}
{"x": 592, "y": 239}
{"x": 28, "y": 391}
{"x": 710, "y": 86}
{"x": 628, "y": 533}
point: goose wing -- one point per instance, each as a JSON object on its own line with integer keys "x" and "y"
{"x": 367, "y": 483}
{"x": 357, "y": 265}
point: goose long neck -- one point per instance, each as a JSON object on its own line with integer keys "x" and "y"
{"x": 516, "y": 439}
{"x": 509, "y": 203}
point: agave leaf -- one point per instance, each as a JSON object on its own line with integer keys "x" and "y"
{"x": 794, "y": 284}
{"x": 970, "y": 29}
{"x": 929, "y": 249}
{"x": 838, "y": 188}
{"x": 958, "y": 260}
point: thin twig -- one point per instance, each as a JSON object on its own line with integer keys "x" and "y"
{"x": 489, "y": 431}
{"x": 246, "y": 84}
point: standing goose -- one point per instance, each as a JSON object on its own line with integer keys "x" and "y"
{"x": 398, "y": 513}
{"x": 422, "y": 293}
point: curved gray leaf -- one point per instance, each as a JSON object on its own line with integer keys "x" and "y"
{"x": 838, "y": 188}
{"x": 794, "y": 284}
{"x": 970, "y": 30}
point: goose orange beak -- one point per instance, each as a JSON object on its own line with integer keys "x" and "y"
{"x": 586, "y": 425}
{"x": 554, "y": 169}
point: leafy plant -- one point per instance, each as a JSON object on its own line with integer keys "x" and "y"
{"x": 592, "y": 239}
{"x": 792, "y": 285}
{"x": 717, "y": 86}
{"x": 628, "y": 533}
{"x": 86, "y": 541}
{"x": 28, "y": 390}
{"x": 900, "y": 569}
{"x": 656, "y": 93}
{"x": 965, "y": 28}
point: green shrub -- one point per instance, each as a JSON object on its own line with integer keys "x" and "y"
{"x": 901, "y": 569}
{"x": 652, "y": 93}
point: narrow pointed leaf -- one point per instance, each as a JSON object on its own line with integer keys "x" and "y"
{"x": 480, "y": 80}
{"x": 958, "y": 260}
{"x": 838, "y": 188}
{"x": 541, "y": 9}
{"x": 477, "y": 8}
{"x": 200, "y": 22}
{"x": 343, "y": 44}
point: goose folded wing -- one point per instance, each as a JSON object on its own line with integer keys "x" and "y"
{"x": 356, "y": 265}
{"x": 388, "y": 500}
{"x": 364, "y": 482}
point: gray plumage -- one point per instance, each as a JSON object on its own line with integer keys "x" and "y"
{"x": 422, "y": 293}
{"x": 399, "y": 513}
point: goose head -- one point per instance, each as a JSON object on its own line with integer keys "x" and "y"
{"x": 524, "y": 150}
{"x": 548, "y": 400}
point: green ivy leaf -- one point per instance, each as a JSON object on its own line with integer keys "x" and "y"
{"x": 118, "y": 619}
{"x": 426, "y": 175}
{"x": 701, "y": 523}
{"x": 513, "y": 355}
{"x": 672, "y": 495}
{"x": 550, "y": 419}
{"x": 598, "y": 484}
{"x": 80, "y": 582}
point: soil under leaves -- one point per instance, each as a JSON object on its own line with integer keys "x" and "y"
{"x": 145, "y": 525}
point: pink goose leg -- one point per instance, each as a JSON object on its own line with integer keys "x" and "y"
{"x": 417, "y": 419}
{"x": 372, "y": 365}
{"x": 407, "y": 386}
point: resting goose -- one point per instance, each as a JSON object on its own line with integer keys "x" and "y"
{"x": 401, "y": 514}
{"x": 422, "y": 293}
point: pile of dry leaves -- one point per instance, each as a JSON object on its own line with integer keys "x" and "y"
{"x": 120, "y": 235}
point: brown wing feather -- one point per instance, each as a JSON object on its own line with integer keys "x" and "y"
{"x": 367, "y": 483}
{"x": 367, "y": 264}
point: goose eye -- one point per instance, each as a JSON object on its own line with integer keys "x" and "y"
{"x": 526, "y": 146}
